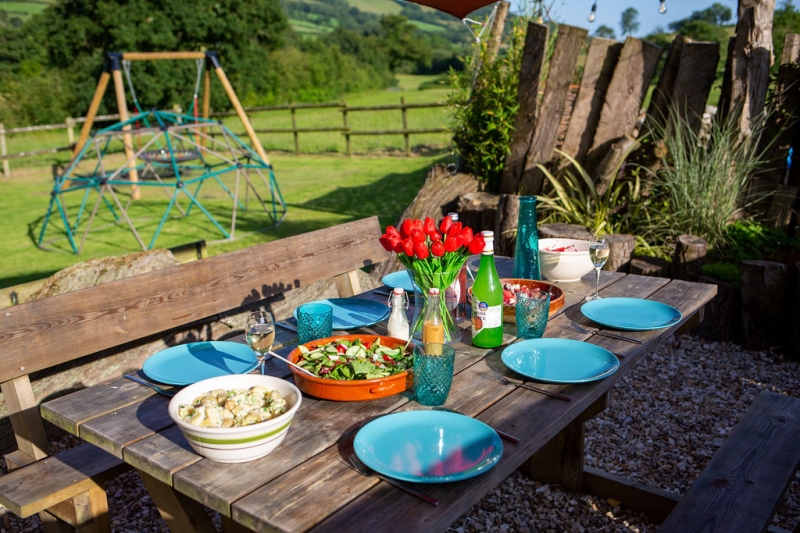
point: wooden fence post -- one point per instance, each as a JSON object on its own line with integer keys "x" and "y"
{"x": 626, "y": 92}
{"x": 70, "y": 122}
{"x": 562, "y": 68}
{"x": 405, "y": 126}
{"x": 346, "y": 130}
{"x": 750, "y": 62}
{"x": 295, "y": 132}
{"x": 601, "y": 60}
{"x": 528, "y": 96}
{"x": 4, "y": 151}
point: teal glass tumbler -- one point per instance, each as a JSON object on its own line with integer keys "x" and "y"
{"x": 533, "y": 310}
{"x": 314, "y": 321}
{"x": 433, "y": 372}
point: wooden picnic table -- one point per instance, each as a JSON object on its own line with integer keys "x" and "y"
{"x": 305, "y": 484}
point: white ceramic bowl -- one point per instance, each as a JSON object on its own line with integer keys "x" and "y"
{"x": 237, "y": 444}
{"x": 569, "y": 265}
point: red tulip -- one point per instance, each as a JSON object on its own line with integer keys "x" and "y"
{"x": 406, "y": 227}
{"x": 466, "y": 236}
{"x": 398, "y": 247}
{"x": 452, "y": 243}
{"x": 418, "y": 235}
{"x": 385, "y": 243}
{"x": 455, "y": 229}
{"x": 421, "y": 251}
{"x": 408, "y": 246}
{"x": 429, "y": 226}
{"x": 477, "y": 244}
{"x": 391, "y": 231}
{"x": 435, "y": 236}
{"x": 437, "y": 249}
{"x": 445, "y": 224}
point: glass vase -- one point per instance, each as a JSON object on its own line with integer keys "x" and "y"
{"x": 526, "y": 255}
{"x": 441, "y": 280}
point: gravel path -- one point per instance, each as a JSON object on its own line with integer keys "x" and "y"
{"x": 666, "y": 420}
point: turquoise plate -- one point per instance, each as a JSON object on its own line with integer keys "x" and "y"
{"x": 634, "y": 314}
{"x": 189, "y": 363}
{"x": 401, "y": 278}
{"x": 428, "y": 446}
{"x": 560, "y": 360}
{"x": 351, "y": 313}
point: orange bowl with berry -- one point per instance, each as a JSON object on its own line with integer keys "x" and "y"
{"x": 513, "y": 285}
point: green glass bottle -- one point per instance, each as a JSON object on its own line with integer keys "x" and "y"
{"x": 487, "y": 299}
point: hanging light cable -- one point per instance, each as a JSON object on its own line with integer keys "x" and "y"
{"x": 593, "y": 13}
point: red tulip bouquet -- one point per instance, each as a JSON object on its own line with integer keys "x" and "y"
{"x": 433, "y": 255}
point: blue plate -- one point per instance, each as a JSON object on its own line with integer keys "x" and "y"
{"x": 560, "y": 360}
{"x": 428, "y": 446}
{"x": 635, "y": 314}
{"x": 196, "y": 361}
{"x": 401, "y": 278}
{"x": 351, "y": 313}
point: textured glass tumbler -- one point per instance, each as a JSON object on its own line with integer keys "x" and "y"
{"x": 314, "y": 321}
{"x": 532, "y": 313}
{"x": 433, "y": 372}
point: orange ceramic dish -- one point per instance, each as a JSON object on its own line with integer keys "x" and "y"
{"x": 556, "y": 296}
{"x": 355, "y": 390}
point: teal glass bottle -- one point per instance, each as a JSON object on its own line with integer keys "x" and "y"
{"x": 526, "y": 255}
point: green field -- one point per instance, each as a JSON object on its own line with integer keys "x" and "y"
{"x": 320, "y": 191}
{"x": 377, "y": 7}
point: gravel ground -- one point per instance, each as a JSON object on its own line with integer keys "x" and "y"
{"x": 666, "y": 420}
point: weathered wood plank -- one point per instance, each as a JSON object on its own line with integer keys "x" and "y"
{"x": 751, "y": 59}
{"x": 559, "y": 76}
{"x": 179, "y": 512}
{"x": 533, "y": 57}
{"x": 33, "y": 334}
{"x": 626, "y": 92}
{"x": 601, "y": 59}
{"x": 53, "y": 480}
{"x": 741, "y": 487}
{"x": 686, "y": 81}
{"x": 655, "y": 503}
{"x": 21, "y": 405}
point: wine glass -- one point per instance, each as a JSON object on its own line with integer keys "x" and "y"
{"x": 598, "y": 253}
{"x": 260, "y": 335}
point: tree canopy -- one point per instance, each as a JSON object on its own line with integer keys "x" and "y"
{"x": 629, "y": 21}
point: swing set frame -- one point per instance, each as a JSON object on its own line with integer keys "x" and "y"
{"x": 177, "y": 130}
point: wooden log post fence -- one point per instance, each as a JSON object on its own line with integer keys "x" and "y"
{"x": 4, "y": 151}
{"x": 346, "y": 127}
{"x": 404, "y": 113}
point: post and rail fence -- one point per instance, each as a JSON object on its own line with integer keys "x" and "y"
{"x": 344, "y": 129}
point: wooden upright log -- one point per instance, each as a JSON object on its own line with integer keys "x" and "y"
{"x": 533, "y": 57}
{"x": 505, "y": 235}
{"x": 628, "y": 88}
{"x": 685, "y": 83}
{"x": 600, "y": 63}
{"x": 498, "y": 26}
{"x": 689, "y": 256}
{"x": 620, "y": 251}
{"x": 765, "y": 304}
{"x": 750, "y": 62}
{"x": 562, "y": 68}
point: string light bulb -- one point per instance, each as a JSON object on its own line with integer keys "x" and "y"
{"x": 663, "y": 7}
{"x": 593, "y": 13}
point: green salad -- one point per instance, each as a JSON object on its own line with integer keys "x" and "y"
{"x": 354, "y": 359}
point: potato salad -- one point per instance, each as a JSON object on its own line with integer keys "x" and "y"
{"x": 233, "y": 408}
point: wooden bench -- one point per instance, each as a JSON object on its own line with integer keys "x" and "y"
{"x": 743, "y": 484}
{"x": 36, "y": 336}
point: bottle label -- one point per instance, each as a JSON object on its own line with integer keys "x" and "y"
{"x": 485, "y": 316}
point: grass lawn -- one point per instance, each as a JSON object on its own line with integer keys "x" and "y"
{"x": 320, "y": 191}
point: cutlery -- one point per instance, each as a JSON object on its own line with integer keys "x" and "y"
{"x": 348, "y": 453}
{"x": 595, "y": 331}
{"x": 161, "y": 390}
{"x": 501, "y": 434}
{"x": 505, "y": 381}
{"x": 286, "y": 326}
{"x": 298, "y": 367}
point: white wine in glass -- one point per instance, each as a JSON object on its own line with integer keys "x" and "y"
{"x": 260, "y": 335}
{"x": 598, "y": 253}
